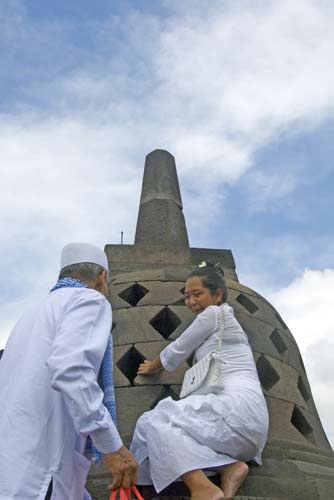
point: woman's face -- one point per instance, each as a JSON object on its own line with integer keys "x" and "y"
{"x": 197, "y": 297}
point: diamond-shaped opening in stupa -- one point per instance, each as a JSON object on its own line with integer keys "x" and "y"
{"x": 302, "y": 389}
{"x": 133, "y": 294}
{"x": 300, "y": 422}
{"x": 267, "y": 374}
{"x": 278, "y": 341}
{"x": 129, "y": 363}
{"x": 165, "y": 322}
{"x": 247, "y": 303}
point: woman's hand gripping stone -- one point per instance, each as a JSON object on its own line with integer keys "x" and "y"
{"x": 150, "y": 367}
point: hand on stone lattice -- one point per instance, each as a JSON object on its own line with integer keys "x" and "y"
{"x": 150, "y": 367}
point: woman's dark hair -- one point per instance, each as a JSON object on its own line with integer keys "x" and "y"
{"x": 212, "y": 276}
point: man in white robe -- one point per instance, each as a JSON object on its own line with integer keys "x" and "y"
{"x": 50, "y": 398}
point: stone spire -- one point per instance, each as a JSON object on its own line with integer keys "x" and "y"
{"x": 160, "y": 218}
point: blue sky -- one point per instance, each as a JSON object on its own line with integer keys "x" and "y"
{"x": 241, "y": 92}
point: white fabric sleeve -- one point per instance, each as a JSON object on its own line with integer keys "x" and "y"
{"x": 200, "y": 329}
{"x": 74, "y": 361}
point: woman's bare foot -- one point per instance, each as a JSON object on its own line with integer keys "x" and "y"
{"x": 201, "y": 487}
{"x": 232, "y": 476}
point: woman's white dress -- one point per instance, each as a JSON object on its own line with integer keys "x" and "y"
{"x": 204, "y": 432}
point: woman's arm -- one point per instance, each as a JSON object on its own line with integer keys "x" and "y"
{"x": 178, "y": 351}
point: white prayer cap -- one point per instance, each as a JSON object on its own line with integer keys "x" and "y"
{"x": 78, "y": 253}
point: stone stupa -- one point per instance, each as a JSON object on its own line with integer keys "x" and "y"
{"x": 146, "y": 281}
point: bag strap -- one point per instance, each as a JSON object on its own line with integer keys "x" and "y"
{"x": 122, "y": 494}
{"x": 221, "y": 317}
{"x": 125, "y": 494}
{"x": 136, "y": 492}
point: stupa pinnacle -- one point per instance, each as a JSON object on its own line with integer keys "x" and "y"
{"x": 160, "y": 219}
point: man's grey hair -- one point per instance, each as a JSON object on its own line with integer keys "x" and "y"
{"x": 85, "y": 270}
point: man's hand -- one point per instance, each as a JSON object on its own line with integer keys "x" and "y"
{"x": 123, "y": 467}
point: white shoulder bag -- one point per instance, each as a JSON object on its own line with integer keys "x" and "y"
{"x": 204, "y": 377}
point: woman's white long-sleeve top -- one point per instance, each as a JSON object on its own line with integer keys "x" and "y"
{"x": 244, "y": 408}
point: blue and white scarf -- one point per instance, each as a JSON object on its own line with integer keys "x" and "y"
{"x": 106, "y": 379}
{"x": 69, "y": 283}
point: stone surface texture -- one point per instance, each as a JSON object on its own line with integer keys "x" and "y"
{"x": 146, "y": 282}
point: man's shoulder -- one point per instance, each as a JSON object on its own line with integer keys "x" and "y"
{"x": 73, "y": 295}
{"x": 76, "y": 291}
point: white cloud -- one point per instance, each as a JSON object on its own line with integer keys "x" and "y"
{"x": 5, "y": 330}
{"x": 266, "y": 191}
{"x": 59, "y": 168}
{"x": 64, "y": 181}
{"x": 250, "y": 71}
{"x": 213, "y": 85}
{"x": 306, "y": 306}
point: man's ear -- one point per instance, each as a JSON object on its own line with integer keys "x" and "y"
{"x": 102, "y": 277}
{"x": 102, "y": 283}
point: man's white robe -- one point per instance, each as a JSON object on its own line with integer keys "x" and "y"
{"x": 50, "y": 398}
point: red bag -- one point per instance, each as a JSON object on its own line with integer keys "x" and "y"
{"x": 125, "y": 494}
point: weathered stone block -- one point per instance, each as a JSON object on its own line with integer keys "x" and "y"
{"x": 259, "y": 333}
{"x": 287, "y": 489}
{"x": 164, "y": 222}
{"x": 151, "y": 351}
{"x": 312, "y": 457}
{"x": 133, "y": 325}
{"x": 286, "y": 386}
{"x": 132, "y": 402}
{"x": 115, "y": 300}
{"x": 154, "y": 256}
{"x": 325, "y": 489}
{"x": 257, "y": 307}
{"x": 280, "y": 422}
{"x": 314, "y": 469}
{"x": 162, "y": 293}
